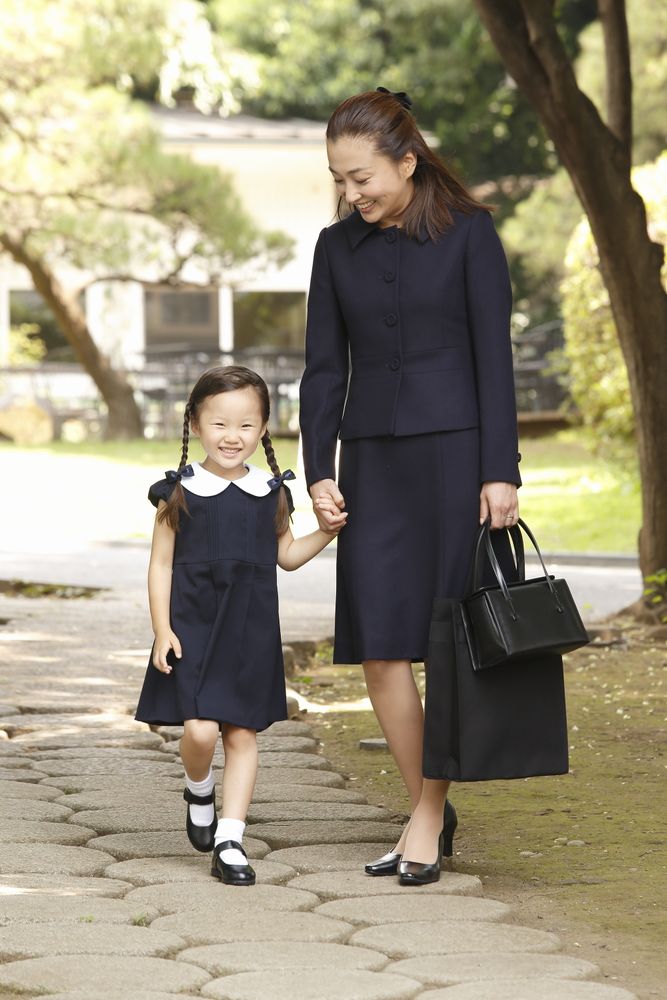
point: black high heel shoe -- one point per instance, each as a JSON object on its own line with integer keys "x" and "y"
{"x": 202, "y": 838}
{"x": 451, "y": 822}
{"x": 386, "y": 865}
{"x": 414, "y": 873}
{"x": 231, "y": 874}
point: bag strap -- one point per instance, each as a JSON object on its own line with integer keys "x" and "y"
{"x": 483, "y": 535}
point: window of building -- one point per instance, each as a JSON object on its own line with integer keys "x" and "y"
{"x": 180, "y": 319}
{"x": 269, "y": 319}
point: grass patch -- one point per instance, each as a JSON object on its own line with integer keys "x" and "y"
{"x": 606, "y": 895}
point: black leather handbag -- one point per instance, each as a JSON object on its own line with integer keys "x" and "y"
{"x": 506, "y": 622}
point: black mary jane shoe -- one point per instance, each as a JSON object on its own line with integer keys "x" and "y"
{"x": 414, "y": 873}
{"x": 202, "y": 838}
{"x": 451, "y": 822}
{"x": 231, "y": 874}
{"x": 386, "y": 865}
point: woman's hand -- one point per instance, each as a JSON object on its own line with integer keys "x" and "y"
{"x": 164, "y": 643}
{"x": 500, "y": 502}
{"x": 328, "y": 503}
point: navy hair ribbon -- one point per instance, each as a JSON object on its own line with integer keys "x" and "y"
{"x": 402, "y": 98}
{"x": 175, "y": 475}
{"x": 280, "y": 480}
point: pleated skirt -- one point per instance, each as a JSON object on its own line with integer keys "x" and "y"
{"x": 413, "y": 505}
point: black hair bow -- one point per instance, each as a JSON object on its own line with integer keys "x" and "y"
{"x": 175, "y": 475}
{"x": 404, "y": 99}
{"x": 280, "y": 480}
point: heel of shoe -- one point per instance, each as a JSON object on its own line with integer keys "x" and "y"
{"x": 451, "y": 822}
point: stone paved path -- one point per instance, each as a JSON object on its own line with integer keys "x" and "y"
{"x": 102, "y": 897}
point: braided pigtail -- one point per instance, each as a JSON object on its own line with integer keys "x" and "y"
{"x": 282, "y": 512}
{"x": 171, "y": 513}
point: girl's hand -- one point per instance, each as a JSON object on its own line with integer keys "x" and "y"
{"x": 164, "y": 642}
{"x": 499, "y": 501}
{"x": 328, "y": 503}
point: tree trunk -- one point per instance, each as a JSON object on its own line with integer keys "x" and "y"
{"x": 124, "y": 420}
{"x": 598, "y": 161}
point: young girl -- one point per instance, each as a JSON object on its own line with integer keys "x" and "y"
{"x": 216, "y": 663}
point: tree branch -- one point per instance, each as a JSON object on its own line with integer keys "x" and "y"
{"x": 618, "y": 73}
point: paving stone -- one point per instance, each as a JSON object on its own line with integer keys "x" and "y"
{"x": 283, "y": 984}
{"x": 133, "y": 819}
{"x": 21, "y": 773}
{"x": 348, "y": 884}
{"x": 27, "y": 790}
{"x": 125, "y": 975}
{"x": 289, "y": 792}
{"x": 15, "y": 760}
{"x": 63, "y": 885}
{"x": 197, "y": 928}
{"x": 329, "y": 812}
{"x": 46, "y": 859}
{"x": 103, "y": 798}
{"x": 60, "y": 768}
{"x": 73, "y": 783}
{"x": 21, "y": 941}
{"x": 46, "y": 907}
{"x": 25, "y": 809}
{"x": 28, "y": 722}
{"x": 289, "y": 727}
{"x": 241, "y": 956}
{"x": 8, "y": 710}
{"x": 308, "y": 832}
{"x": 310, "y": 761}
{"x": 116, "y": 995}
{"x": 169, "y": 844}
{"x": 298, "y": 776}
{"x": 451, "y": 937}
{"x": 530, "y": 989}
{"x": 218, "y": 900}
{"x": 409, "y": 906}
{"x": 154, "y": 871}
{"x": 447, "y": 970}
{"x": 88, "y": 752}
{"x": 331, "y": 857}
{"x": 286, "y": 744}
{"x": 48, "y": 739}
{"x": 27, "y": 832}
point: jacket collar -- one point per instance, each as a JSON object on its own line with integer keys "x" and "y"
{"x": 357, "y": 229}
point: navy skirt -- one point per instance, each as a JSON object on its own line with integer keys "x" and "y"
{"x": 413, "y": 506}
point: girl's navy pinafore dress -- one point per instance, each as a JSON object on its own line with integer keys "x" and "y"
{"x": 224, "y": 607}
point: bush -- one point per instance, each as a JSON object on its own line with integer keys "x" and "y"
{"x": 597, "y": 376}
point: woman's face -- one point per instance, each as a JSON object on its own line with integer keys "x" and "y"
{"x": 374, "y": 184}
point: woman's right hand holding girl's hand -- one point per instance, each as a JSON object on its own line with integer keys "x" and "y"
{"x": 164, "y": 643}
{"x": 328, "y": 503}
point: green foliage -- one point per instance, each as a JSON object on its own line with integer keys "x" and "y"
{"x": 303, "y": 59}
{"x": 596, "y": 372}
{"x": 26, "y": 347}
{"x": 84, "y": 177}
{"x": 655, "y": 594}
{"x": 647, "y": 24}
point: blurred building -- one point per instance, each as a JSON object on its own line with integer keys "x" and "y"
{"x": 279, "y": 170}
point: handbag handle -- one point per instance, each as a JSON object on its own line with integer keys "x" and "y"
{"x": 519, "y": 556}
{"x": 484, "y": 534}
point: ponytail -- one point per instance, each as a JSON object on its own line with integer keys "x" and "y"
{"x": 282, "y": 512}
{"x": 171, "y": 512}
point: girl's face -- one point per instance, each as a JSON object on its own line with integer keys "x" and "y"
{"x": 229, "y": 426}
{"x": 373, "y": 183}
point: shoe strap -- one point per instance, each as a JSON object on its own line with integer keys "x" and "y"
{"x": 199, "y": 800}
{"x": 227, "y": 845}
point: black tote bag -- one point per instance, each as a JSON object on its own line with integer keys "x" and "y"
{"x": 482, "y": 725}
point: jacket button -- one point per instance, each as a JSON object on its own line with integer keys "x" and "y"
{"x": 389, "y": 276}
{"x": 390, "y": 237}
{"x": 391, "y": 319}
{"x": 395, "y": 364}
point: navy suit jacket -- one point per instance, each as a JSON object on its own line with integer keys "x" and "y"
{"x": 409, "y": 336}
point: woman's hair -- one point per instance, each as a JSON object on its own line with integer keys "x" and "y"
{"x": 385, "y": 118}
{"x": 211, "y": 383}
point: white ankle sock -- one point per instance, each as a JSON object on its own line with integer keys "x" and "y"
{"x": 230, "y": 829}
{"x": 201, "y": 815}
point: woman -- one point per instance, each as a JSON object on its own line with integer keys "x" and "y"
{"x": 409, "y": 363}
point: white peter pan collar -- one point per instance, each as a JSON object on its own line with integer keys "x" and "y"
{"x": 206, "y": 484}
